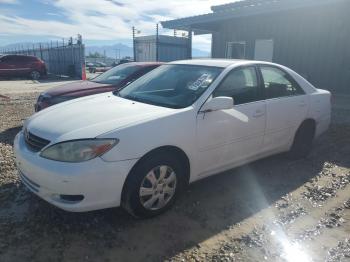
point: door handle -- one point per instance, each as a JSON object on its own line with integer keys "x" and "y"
{"x": 258, "y": 114}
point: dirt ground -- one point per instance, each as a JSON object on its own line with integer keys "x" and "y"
{"x": 271, "y": 210}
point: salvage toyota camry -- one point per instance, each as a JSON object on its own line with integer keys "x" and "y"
{"x": 186, "y": 120}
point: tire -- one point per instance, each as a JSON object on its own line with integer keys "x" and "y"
{"x": 148, "y": 201}
{"x": 303, "y": 140}
{"x": 35, "y": 75}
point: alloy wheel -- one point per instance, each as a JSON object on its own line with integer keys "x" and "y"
{"x": 158, "y": 188}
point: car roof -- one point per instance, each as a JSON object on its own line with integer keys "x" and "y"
{"x": 223, "y": 63}
{"x": 145, "y": 63}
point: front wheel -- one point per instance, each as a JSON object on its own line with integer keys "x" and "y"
{"x": 153, "y": 185}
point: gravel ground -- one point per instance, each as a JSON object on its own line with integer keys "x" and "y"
{"x": 274, "y": 209}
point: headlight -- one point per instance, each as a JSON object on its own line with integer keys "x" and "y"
{"x": 78, "y": 150}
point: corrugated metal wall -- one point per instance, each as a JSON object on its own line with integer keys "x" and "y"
{"x": 314, "y": 42}
{"x": 145, "y": 48}
{"x": 169, "y": 48}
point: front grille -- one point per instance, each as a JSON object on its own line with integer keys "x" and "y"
{"x": 34, "y": 142}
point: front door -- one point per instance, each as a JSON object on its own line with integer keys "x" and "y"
{"x": 229, "y": 137}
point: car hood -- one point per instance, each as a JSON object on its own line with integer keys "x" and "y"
{"x": 91, "y": 116}
{"x": 74, "y": 87}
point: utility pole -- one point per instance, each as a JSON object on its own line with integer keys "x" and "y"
{"x": 190, "y": 43}
{"x": 117, "y": 53}
{"x": 157, "y": 42}
{"x": 133, "y": 41}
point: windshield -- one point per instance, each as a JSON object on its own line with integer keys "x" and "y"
{"x": 117, "y": 74}
{"x": 174, "y": 86}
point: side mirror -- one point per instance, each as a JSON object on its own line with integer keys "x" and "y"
{"x": 217, "y": 103}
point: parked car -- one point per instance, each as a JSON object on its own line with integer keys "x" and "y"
{"x": 89, "y": 64}
{"x": 111, "y": 80}
{"x": 183, "y": 121}
{"x": 122, "y": 61}
{"x": 100, "y": 64}
{"x": 22, "y": 65}
{"x": 98, "y": 67}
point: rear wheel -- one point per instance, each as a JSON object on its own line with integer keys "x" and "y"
{"x": 35, "y": 75}
{"x": 153, "y": 185}
{"x": 303, "y": 140}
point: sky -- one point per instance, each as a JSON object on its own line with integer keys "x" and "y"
{"x": 100, "y": 22}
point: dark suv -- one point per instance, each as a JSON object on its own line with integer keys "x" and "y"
{"x": 21, "y": 65}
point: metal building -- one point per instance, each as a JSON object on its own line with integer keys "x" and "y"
{"x": 161, "y": 48}
{"x": 310, "y": 36}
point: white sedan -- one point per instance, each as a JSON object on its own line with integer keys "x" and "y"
{"x": 180, "y": 123}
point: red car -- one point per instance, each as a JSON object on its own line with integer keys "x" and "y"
{"x": 22, "y": 65}
{"x": 112, "y": 80}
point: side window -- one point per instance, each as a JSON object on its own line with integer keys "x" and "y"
{"x": 13, "y": 59}
{"x": 27, "y": 59}
{"x": 240, "y": 84}
{"x": 22, "y": 59}
{"x": 7, "y": 59}
{"x": 278, "y": 83}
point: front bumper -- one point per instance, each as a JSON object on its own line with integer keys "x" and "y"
{"x": 99, "y": 182}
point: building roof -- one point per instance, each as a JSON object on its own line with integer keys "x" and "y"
{"x": 242, "y": 8}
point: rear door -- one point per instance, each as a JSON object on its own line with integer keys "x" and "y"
{"x": 286, "y": 107}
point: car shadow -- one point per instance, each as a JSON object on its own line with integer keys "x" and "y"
{"x": 8, "y": 135}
